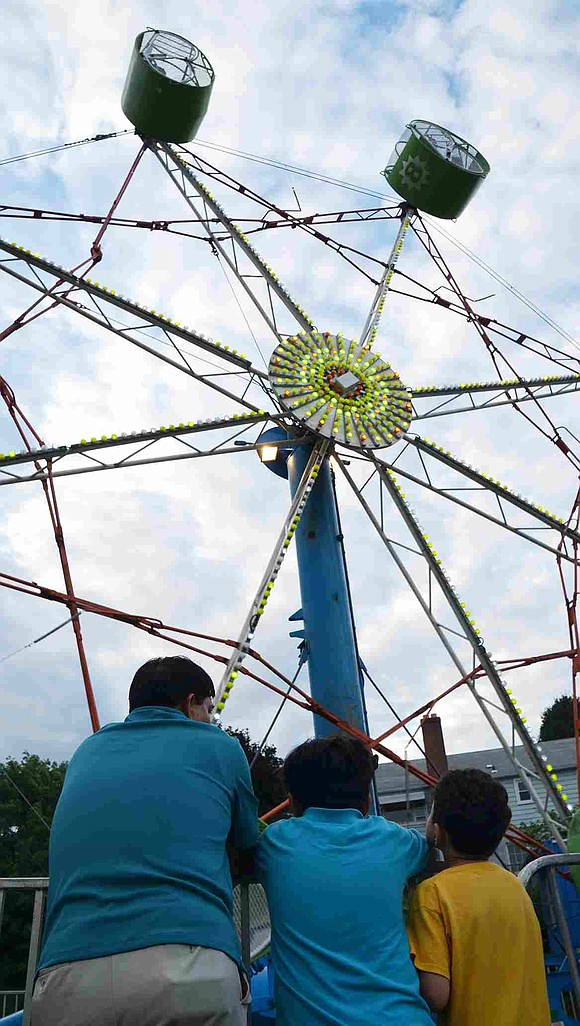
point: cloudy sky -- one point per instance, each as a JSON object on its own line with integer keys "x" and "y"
{"x": 329, "y": 87}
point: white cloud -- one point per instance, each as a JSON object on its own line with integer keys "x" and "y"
{"x": 329, "y": 86}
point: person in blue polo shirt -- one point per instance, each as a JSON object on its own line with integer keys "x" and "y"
{"x": 334, "y": 879}
{"x": 139, "y": 927}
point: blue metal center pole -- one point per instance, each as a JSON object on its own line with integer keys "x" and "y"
{"x": 332, "y": 659}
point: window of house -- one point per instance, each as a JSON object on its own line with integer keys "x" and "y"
{"x": 517, "y": 858}
{"x": 522, "y": 792}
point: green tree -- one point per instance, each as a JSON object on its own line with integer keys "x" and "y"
{"x": 29, "y": 791}
{"x": 557, "y": 719}
{"x": 266, "y": 771}
{"x": 537, "y": 829}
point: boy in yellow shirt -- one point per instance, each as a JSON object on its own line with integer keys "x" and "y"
{"x": 473, "y": 932}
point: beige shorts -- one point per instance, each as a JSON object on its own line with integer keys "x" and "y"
{"x": 174, "y": 984}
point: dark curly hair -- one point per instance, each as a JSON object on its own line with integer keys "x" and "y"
{"x": 330, "y": 773}
{"x": 473, "y": 809}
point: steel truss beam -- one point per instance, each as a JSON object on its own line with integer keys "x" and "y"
{"x": 87, "y": 462}
{"x": 487, "y": 485}
{"x": 274, "y": 564}
{"x": 57, "y": 452}
{"x": 468, "y": 628}
{"x": 182, "y": 175}
{"x": 491, "y": 484}
{"x": 371, "y": 324}
{"x": 189, "y": 185}
{"x": 505, "y": 331}
{"x": 467, "y": 634}
{"x": 170, "y": 328}
{"x": 284, "y": 219}
{"x": 17, "y": 261}
{"x": 504, "y": 393}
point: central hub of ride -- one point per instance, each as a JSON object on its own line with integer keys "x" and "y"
{"x": 341, "y": 389}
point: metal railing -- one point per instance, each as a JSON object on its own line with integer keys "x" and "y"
{"x": 40, "y": 886}
{"x": 246, "y": 928}
{"x": 549, "y": 864}
{"x": 11, "y": 1001}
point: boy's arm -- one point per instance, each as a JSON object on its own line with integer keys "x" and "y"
{"x": 418, "y": 851}
{"x": 244, "y": 829}
{"x": 435, "y": 989}
{"x": 429, "y": 947}
{"x": 242, "y": 863}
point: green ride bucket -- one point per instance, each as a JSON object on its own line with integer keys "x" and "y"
{"x": 168, "y": 87}
{"x": 435, "y": 170}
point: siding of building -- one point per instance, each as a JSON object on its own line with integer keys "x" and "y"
{"x": 405, "y": 799}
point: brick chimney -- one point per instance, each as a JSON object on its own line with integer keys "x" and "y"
{"x": 434, "y": 745}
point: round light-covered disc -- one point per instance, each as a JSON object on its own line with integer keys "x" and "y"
{"x": 341, "y": 389}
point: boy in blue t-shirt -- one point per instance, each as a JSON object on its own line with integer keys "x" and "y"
{"x": 334, "y": 879}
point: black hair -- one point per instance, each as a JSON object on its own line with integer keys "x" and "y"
{"x": 330, "y": 773}
{"x": 473, "y": 809}
{"x": 167, "y": 681}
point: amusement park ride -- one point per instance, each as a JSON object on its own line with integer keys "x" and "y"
{"x": 324, "y": 399}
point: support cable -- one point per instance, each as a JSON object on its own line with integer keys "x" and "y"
{"x": 392, "y": 709}
{"x": 23, "y": 648}
{"x": 23, "y": 796}
{"x": 302, "y": 659}
{"x": 66, "y": 146}
{"x": 432, "y": 250}
{"x": 339, "y": 183}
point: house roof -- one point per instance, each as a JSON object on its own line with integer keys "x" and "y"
{"x": 390, "y": 778}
